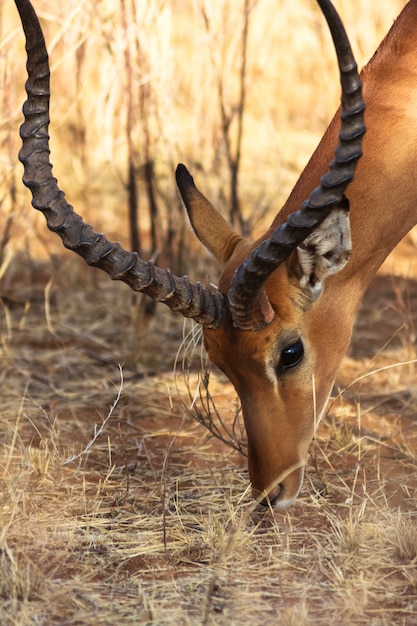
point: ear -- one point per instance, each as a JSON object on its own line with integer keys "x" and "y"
{"x": 326, "y": 251}
{"x": 211, "y": 228}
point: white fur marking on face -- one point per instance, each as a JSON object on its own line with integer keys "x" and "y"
{"x": 271, "y": 375}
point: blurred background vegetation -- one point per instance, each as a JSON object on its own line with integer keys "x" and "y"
{"x": 238, "y": 90}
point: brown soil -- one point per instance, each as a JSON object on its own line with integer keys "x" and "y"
{"x": 153, "y": 522}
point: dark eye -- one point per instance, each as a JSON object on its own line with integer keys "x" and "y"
{"x": 291, "y": 355}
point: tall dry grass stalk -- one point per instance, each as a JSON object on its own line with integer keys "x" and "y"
{"x": 186, "y": 59}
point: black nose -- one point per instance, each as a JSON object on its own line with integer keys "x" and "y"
{"x": 273, "y": 496}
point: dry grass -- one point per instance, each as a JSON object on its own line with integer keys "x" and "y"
{"x": 115, "y": 505}
{"x": 153, "y": 523}
{"x": 291, "y": 96}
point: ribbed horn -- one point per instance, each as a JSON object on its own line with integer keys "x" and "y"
{"x": 248, "y": 300}
{"x": 178, "y": 293}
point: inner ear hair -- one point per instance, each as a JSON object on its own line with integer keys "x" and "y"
{"x": 324, "y": 252}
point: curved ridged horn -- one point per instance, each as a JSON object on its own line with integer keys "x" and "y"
{"x": 247, "y": 291}
{"x": 179, "y": 294}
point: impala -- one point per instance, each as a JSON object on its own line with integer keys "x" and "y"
{"x": 280, "y": 321}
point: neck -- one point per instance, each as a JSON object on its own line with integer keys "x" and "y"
{"x": 383, "y": 195}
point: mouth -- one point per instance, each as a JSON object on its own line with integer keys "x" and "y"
{"x": 281, "y": 495}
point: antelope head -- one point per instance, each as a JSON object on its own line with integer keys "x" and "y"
{"x": 270, "y": 326}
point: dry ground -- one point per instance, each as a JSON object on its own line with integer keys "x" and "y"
{"x": 116, "y": 507}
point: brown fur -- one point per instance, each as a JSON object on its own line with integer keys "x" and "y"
{"x": 280, "y": 414}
